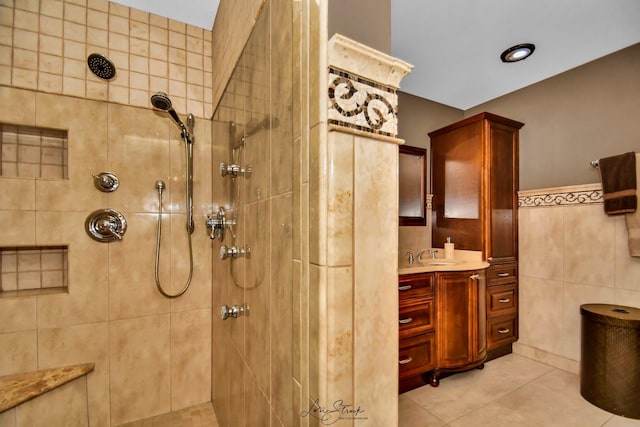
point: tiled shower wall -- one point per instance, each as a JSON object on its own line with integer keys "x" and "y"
{"x": 152, "y": 355}
{"x": 44, "y": 46}
{"x": 256, "y": 371}
{"x": 571, "y": 253}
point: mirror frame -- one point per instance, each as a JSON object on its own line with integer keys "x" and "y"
{"x": 414, "y": 220}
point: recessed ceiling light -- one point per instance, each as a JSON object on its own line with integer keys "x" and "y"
{"x": 517, "y": 53}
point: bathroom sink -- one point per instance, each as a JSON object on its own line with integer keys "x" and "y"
{"x": 438, "y": 262}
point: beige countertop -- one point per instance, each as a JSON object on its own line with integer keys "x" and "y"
{"x": 462, "y": 260}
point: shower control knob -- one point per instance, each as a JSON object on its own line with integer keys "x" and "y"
{"x": 106, "y": 182}
{"x": 233, "y": 252}
{"x": 234, "y": 170}
{"x": 233, "y": 311}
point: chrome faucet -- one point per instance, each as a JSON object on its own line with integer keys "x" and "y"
{"x": 432, "y": 252}
{"x": 410, "y": 257}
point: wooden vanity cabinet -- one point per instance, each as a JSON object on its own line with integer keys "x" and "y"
{"x": 442, "y": 325}
{"x": 474, "y": 179}
{"x": 416, "y": 322}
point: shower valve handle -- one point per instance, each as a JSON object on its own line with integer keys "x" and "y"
{"x": 218, "y": 224}
{"x": 234, "y": 170}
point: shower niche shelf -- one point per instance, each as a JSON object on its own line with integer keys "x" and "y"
{"x": 32, "y": 152}
{"x": 33, "y": 270}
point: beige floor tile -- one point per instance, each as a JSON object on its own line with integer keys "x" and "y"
{"x": 462, "y": 393}
{"x": 510, "y": 391}
{"x": 410, "y": 414}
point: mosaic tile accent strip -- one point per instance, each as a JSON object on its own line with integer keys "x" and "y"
{"x": 567, "y": 196}
{"x": 360, "y": 104}
{"x": 29, "y": 152}
{"x": 25, "y": 269}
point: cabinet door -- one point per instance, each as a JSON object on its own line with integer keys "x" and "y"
{"x": 456, "y": 180}
{"x": 457, "y": 316}
{"x": 501, "y": 243}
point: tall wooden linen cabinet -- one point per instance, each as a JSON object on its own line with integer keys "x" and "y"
{"x": 474, "y": 182}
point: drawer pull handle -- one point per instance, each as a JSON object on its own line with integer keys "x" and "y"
{"x": 404, "y": 288}
{"x": 474, "y": 277}
{"x": 504, "y": 330}
{"x": 407, "y": 320}
{"x": 405, "y": 361}
{"x": 503, "y": 274}
{"x": 504, "y": 300}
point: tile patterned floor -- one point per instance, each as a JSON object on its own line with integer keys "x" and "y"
{"x": 509, "y": 391}
{"x": 194, "y": 416}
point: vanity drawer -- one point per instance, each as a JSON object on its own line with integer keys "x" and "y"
{"x": 416, "y": 355}
{"x": 416, "y": 317}
{"x": 415, "y": 285}
{"x": 502, "y": 273}
{"x": 501, "y": 330}
{"x": 502, "y": 300}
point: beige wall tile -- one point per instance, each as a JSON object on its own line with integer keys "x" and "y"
{"x": 281, "y": 312}
{"x": 190, "y": 358}
{"x": 317, "y": 195}
{"x": 139, "y": 352}
{"x": 257, "y": 289}
{"x": 626, "y": 267}
{"x": 63, "y": 406}
{"x": 20, "y": 116}
{"x": 19, "y": 352}
{"x": 541, "y": 311}
{"x": 588, "y": 250}
{"x": 340, "y": 334}
{"x": 540, "y": 242}
{"x": 132, "y": 290}
{"x": 374, "y": 268}
{"x": 340, "y": 199}
{"x": 574, "y": 297}
{"x": 17, "y": 194}
{"x": 139, "y": 144}
{"x": 17, "y": 314}
{"x": 87, "y": 343}
{"x": 23, "y": 228}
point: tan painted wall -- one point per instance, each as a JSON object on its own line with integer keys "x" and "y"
{"x": 365, "y": 21}
{"x": 416, "y": 118}
{"x": 571, "y": 119}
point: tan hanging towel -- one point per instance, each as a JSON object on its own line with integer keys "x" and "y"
{"x": 633, "y": 221}
{"x": 618, "y": 175}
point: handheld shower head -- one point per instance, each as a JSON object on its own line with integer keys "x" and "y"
{"x": 161, "y": 101}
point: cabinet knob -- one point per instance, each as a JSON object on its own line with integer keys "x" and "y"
{"x": 504, "y": 330}
{"x": 405, "y": 361}
{"x": 407, "y": 320}
{"x": 504, "y": 300}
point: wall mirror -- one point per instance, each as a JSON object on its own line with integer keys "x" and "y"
{"x": 412, "y": 170}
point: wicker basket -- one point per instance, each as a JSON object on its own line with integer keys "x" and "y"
{"x": 610, "y": 358}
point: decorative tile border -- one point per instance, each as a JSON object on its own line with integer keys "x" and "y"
{"x": 562, "y": 196}
{"x": 362, "y": 104}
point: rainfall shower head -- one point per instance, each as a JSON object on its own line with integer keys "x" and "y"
{"x": 101, "y": 66}
{"x": 161, "y": 101}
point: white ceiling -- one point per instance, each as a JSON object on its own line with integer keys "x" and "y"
{"x": 200, "y": 13}
{"x": 455, "y": 45}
